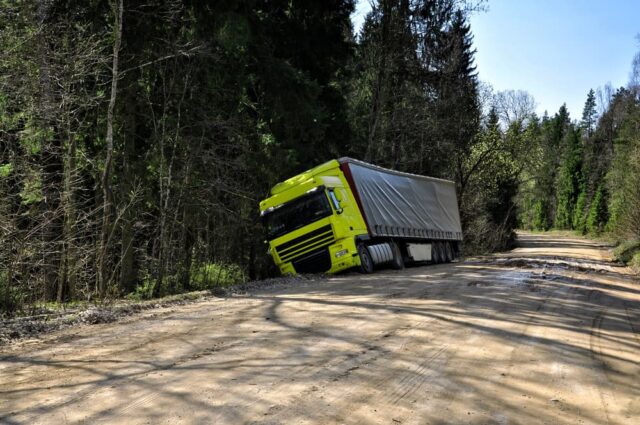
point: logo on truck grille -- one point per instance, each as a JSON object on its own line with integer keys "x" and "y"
{"x": 305, "y": 244}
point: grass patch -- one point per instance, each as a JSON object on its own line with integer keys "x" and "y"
{"x": 635, "y": 262}
{"x": 204, "y": 277}
{"x": 215, "y": 275}
{"x": 627, "y": 251}
{"x": 143, "y": 291}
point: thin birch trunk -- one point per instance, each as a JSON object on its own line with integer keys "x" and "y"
{"x": 106, "y": 174}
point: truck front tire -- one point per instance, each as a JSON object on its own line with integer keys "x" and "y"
{"x": 366, "y": 262}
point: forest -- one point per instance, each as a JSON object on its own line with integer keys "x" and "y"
{"x": 137, "y": 137}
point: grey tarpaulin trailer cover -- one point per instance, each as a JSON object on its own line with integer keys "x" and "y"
{"x": 403, "y": 205}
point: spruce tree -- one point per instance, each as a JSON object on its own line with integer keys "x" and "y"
{"x": 597, "y": 212}
{"x": 589, "y": 114}
{"x": 579, "y": 219}
{"x": 568, "y": 182}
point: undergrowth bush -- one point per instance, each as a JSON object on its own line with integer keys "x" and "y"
{"x": 11, "y": 299}
{"x": 143, "y": 291}
{"x": 203, "y": 277}
{"x": 635, "y": 262}
{"x": 627, "y": 252}
{"x": 211, "y": 275}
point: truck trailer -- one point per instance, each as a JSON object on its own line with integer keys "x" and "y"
{"x": 347, "y": 213}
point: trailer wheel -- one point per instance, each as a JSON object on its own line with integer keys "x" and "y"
{"x": 442, "y": 253}
{"x": 398, "y": 261}
{"x": 436, "y": 256}
{"x": 449, "y": 252}
{"x": 366, "y": 262}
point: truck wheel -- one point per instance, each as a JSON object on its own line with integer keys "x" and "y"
{"x": 398, "y": 261}
{"x": 366, "y": 262}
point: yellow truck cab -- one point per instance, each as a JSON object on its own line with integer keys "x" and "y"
{"x": 346, "y": 213}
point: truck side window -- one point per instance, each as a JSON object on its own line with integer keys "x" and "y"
{"x": 334, "y": 200}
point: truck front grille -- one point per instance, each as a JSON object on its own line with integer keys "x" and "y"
{"x": 318, "y": 261}
{"x": 305, "y": 245}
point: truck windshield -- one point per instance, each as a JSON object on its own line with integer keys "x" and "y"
{"x": 296, "y": 214}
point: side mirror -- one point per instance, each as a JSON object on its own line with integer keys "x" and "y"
{"x": 335, "y": 200}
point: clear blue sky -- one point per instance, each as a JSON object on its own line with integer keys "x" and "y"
{"x": 554, "y": 49}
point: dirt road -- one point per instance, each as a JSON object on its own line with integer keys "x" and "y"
{"x": 546, "y": 334}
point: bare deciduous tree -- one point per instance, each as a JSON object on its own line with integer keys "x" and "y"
{"x": 514, "y": 105}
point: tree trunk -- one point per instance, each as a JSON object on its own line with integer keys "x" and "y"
{"x": 69, "y": 263}
{"x": 106, "y": 174}
{"x": 377, "y": 103}
{"x": 52, "y": 167}
{"x": 128, "y": 267}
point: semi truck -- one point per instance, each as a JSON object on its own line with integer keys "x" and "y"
{"x": 347, "y": 213}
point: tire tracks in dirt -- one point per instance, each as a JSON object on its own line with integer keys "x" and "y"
{"x": 634, "y": 331}
{"x": 320, "y": 395}
{"x": 595, "y": 348}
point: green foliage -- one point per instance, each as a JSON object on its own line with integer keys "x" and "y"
{"x": 491, "y": 178}
{"x": 212, "y": 275}
{"x": 597, "y": 213}
{"x": 624, "y": 172}
{"x": 402, "y": 101}
{"x": 563, "y": 213}
{"x": 143, "y": 291}
{"x": 6, "y": 169}
{"x": 540, "y": 221}
{"x": 626, "y": 251}
{"x": 202, "y": 277}
{"x": 34, "y": 138}
{"x": 568, "y": 182}
{"x": 635, "y": 262}
{"x": 32, "y": 190}
{"x": 553, "y": 166}
{"x": 589, "y": 114}
{"x": 629, "y": 253}
{"x": 218, "y": 101}
{"x": 579, "y": 219}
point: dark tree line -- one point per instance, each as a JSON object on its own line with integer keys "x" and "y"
{"x": 137, "y": 137}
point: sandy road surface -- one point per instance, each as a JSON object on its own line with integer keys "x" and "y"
{"x": 547, "y": 333}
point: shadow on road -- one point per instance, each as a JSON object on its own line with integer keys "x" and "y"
{"x": 328, "y": 352}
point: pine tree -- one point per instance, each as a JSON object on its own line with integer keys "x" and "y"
{"x": 568, "y": 182}
{"x": 552, "y": 153}
{"x": 540, "y": 219}
{"x": 579, "y": 219}
{"x": 415, "y": 94}
{"x": 459, "y": 91}
{"x": 597, "y": 212}
{"x": 589, "y": 114}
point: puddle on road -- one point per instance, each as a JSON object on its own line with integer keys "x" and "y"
{"x": 516, "y": 278}
{"x": 557, "y": 262}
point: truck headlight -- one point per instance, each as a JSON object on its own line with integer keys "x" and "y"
{"x": 341, "y": 253}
